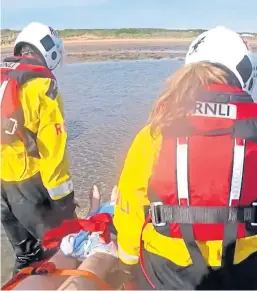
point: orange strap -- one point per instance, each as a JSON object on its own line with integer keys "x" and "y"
{"x": 49, "y": 268}
{"x": 86, "y": 274}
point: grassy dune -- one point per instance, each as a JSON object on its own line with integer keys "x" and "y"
{"x": 129, "y": 33}
{"x": 8, "y": 36}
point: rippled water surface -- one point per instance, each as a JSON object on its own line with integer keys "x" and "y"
{"x": 106, "y": 104}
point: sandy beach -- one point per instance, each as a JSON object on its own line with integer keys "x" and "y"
{"x": 121, "y": 49}
{"x": 79, "y": 50}
{"x": 111, "y": 49}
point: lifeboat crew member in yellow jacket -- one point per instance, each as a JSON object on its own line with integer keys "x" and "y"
{"x": 186, "y": 215}
{"x": 36, "y": 186}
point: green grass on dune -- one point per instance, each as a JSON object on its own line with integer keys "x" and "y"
{"x": 8, "y": 35}
{"x": 129, "y": 32}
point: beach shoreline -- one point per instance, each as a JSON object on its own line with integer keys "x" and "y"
{"x": 79, "y": 49}
{"x": 73, "y": 41}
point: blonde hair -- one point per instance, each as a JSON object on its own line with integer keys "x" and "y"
{"x": 178, "y": 100}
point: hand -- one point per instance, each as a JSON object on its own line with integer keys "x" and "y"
{"x": 105, "y": 207}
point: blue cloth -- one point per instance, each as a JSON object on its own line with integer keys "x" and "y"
{"x": 81, "y": 238}
{"x": 79, "y": 243}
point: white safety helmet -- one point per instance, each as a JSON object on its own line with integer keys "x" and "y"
{"x": 226, "y": 48}
{"x": 44, "y": 40}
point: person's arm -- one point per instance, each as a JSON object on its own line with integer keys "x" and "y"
{"x": 51, "y": 141}
{"x": 129, "y": 214}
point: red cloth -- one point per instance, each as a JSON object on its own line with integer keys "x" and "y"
{"x": 96, "y": 223}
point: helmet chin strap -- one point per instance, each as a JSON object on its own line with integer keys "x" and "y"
{"x": 31, "y": 52}
{"x": 231, "y": 78}
{"x": 233, "y": 81}
{"x": 253, "y": 88}
{"x": 33, "y": 55}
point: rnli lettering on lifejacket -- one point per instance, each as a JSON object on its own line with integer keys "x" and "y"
{"x": 9, "y": 65}
{"x": 60, "y": 128}
{"x": 219, "y": 110}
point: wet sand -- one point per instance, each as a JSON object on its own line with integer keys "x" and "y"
{"x": 78, "y": 50}
{"x": 132, "y": 50}
{"x": 112, "y": 50}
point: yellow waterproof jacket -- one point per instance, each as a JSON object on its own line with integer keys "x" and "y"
{"x": 129, "y": 213}
{"x": 44, "y": 116}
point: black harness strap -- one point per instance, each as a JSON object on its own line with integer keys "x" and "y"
{"x": 229, "y": 244}
{"x": 12, "y": 129}
{"x": 162, "y": 213}
{"x": 29, "y": 140}
{"x": 194, "y": 251}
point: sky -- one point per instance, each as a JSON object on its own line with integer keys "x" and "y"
{"x": 239, "y": 15}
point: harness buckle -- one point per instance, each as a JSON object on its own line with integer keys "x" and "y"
{"x": 155, "y": 213}
{"x": 254, "y": 216}
{"x": 13, "y": 127}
